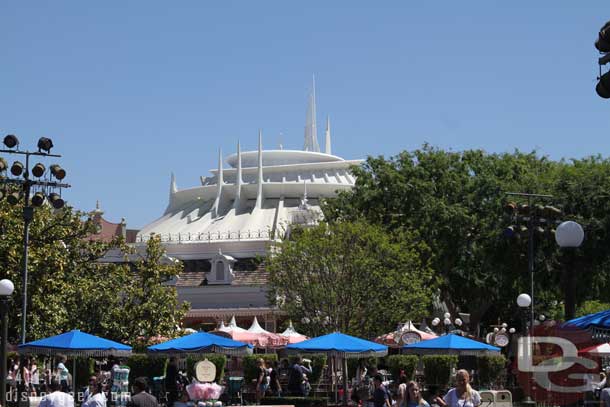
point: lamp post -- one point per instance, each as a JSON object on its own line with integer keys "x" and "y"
{"x": 524, "y": 301}
{"x": 447, "y": 323}
{"x": 569, "y": 236}
{"x": 6, "y": 290}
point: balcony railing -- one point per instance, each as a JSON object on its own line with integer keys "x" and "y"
{"x": 209, "y": 236}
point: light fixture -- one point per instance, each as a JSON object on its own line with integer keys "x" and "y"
{"x": 38, "y": 170}
{"x": 458, "y": 322}
{"x": 496, "y": 330}
{"x": 6, "y": 287}
{"x": 436, "y": 321}
{"x": 447, "y": 321}
{"x": 17, "y": 168}
{"x": 569, "y": 234}
{"x": 512, "y": 331}
{"x": 45, "y": 144}
{"x": 11, "y": 141}
{"x": 504, "y": 325}
{"x": 58, "y": 172}
{"x": 56, "y": 200}
{"x": 509, "y": 231}
{"x": 14, "y": 198}
{"x": 603, "y": 39}
{"x": 541, "y": 318}
{"x": 603, "y": 86}
{"x": 524, "y": 300}
{"x": 38, "y": 199}
{"x": 447, "y": 315}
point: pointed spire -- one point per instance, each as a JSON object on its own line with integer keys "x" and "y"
{"x": 259, "y": 178}
{"x": 172, "y": 185}
{"x": 311, "y": 127}
{"x": 238, "y": 180}
{"x": 219, "y": 184}
{"x": 327, "y": 149}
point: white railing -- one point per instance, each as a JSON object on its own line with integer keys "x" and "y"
{"x": 209, "y": 236}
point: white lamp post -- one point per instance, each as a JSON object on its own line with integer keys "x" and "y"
{"x": 6, "y": 290}
{"x": 524, "y": 301}
{"x": 569, "y": 235}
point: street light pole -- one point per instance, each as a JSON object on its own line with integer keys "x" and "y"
{"x": 6, "y": 290}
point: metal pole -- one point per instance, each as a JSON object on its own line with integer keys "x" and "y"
{"x": 3, "y": 352}
{"x": 530, "y": 257}
{"x": 28, "y": 215}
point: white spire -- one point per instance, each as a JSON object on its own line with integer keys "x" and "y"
{"x": 238, "y": 180}
{"x": 172, "y": 185}
{"x": 259, "y": 179}
{"x": 219, "y": 183}
{"x": 327, "y": 137}
{"x": 311, "y": 130}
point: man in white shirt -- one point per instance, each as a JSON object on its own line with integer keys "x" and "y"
{"x": 56, "y": 398}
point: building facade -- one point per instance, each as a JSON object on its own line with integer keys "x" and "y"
{"x": 222, "y": 229}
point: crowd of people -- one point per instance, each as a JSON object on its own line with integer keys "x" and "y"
{"x": 268, "y": 378}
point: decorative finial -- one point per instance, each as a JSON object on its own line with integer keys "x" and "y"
{"x": 311, "y": 127}
{"x": 327, "y": 149}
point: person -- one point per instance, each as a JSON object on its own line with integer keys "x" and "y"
{"x": 436, "y": 400}
{"x": 261, "y": 380}
{"x": 171, "y": 381}
{"x": 96, "y": 396}
{"x": 414, "y": 396}
{"x": 381, "y": 398}
{"x": 295, "y": 380}
{"x": 63, "y": 374}
{"x": 56, "y": 398}
{"x": 402, "y": 395}
{"x": 34, "y": 377}
{"x": 140, "y": 397}
{"x": 274, "y": 378}
{"x": 89, "y": 390}
{"x": 462, "y": 395}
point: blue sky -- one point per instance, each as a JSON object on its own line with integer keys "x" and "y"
{"x": 130, "y": 91}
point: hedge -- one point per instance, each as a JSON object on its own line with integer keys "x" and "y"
{"x": 142, "y": 365}
{"x": 219, "y": 361}
{"x": 250, "y": 367}
{"x": 490, "y": 369}
{"x": 437, "y": 369}
{"x": 295, "y": 401}
{"x": 406, "y": 363}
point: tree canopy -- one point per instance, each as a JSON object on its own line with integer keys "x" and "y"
{"x": 353, "y": 277}
{"x": 70, "y": 288}
{"x": 453, "y": 201}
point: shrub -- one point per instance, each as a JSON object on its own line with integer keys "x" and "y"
{"x": 407, "y": 363}
{"x": 295, "y": 401}
{"x": 141, "y": 365}
{"x": 437, "y": 369}
{"x": 219, "y": 361}
{"x": 490, "y": 369}
{"x": 317, "y": 366}
{"x": 250, "y": 368}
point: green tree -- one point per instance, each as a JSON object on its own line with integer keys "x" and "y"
{"x": 453, "y": 201}
{"x": 350, "y": 276}
{"x": 70, "y": 288}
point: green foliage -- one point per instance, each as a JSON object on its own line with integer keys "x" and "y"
{"x": 437, "y": 369}
{"x": 250, "y": 364}
{"x": 141, "y": 365}
{"x": 490, "y": 369}
{"x": 85, "y": 368}
{"x": 342, "y": 276}
{"x": 295, "y": 401}
{"x": 219, "y": 361}
{"x": 591, "y": 307}
{"x": 317, "y": 366}
{"x": 69, "y": 288}
{"x": 406, "y": 363}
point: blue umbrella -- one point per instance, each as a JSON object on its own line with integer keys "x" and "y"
{"x": 338, "y": 344}
{"x": 450, "y": 344}
{"x": 201, "y": 342}
{"x": 76, "y": 343}
{"x": 598, "y": 323}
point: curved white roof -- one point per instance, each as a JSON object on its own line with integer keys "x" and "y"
{"x": 281, "y": 157}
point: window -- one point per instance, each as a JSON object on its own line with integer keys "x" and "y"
{"x": 220, "y": 271}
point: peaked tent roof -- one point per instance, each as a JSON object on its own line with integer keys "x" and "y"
{"x": 292, "y": 335}
{"x": 201, "y": 342}
{"x": 338, "y": 344}
{"x": 597, "y": 350}
{"x": 76, "y": 343}
{"x": 450, "y": 344}
{"x": 256, "y": 328}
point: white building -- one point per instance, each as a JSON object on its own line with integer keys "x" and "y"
{"x": 223, "y": 227}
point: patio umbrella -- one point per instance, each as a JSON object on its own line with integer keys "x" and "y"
{"x": 201, "y": 342}
{"x": 338, "y": 345}
{"x": 597, "y": 350}
{"x": 598, "y": 323}
{"x": 450, "y": 345}
{"x": 75, "y": 343}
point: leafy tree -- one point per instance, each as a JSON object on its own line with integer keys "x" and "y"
{"x": 353, "y": 277}
{"x": 70, "y": 288}
{"x": 591, "y": 307}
